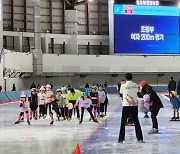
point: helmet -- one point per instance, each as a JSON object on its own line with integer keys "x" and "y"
{"x": 42, "y": 88}
{"x": 23, "y": 95}
{"x": 63, "y": 88}
{"x": 58, "y": 90}
{"x": 48, "y": 86}
{"x": 142, "y": 83}
{"x": 69, "y": 87}
{"x": 101, "y": 85}
{"x": 173, "y": 93}
{"x": 85, "y": 93}
{"x": 72, "y": 90}
{"x": 94, "y": 87}
{"x": 33, "y": 89}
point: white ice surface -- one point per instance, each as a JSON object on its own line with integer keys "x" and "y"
{"x": 62, "y": 137}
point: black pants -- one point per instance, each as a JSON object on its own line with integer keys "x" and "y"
{"x": 62, "y": 111}
{"x": 77, "y": 110}
{"x": 130, "y": 119}
{"x": 154, "y": 114}
{"x": 98, "y": 110}
{"x": 105, "y": 107}
{"x": 133, "y": 110}
{"x": 73, "y": 103}
{"x": 89, "y": 110}
{"x": 102, "y": 107}
{"x": 48, "y": 105}
{"x": 70, "y": 111}
{"x": 66, "y": 112}
{"x": 41, "y": 110}
{"x": 56, "y": 109}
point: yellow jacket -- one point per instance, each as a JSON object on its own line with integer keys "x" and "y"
{"x": 74, "y": 97}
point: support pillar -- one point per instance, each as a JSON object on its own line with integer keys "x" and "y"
{"x": 18, "y": 43}
{"x": 1, "y": 45}
{"x": 37, "y": 53}
{"x": 71, "y": 27}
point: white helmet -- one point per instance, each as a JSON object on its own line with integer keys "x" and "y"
{"x": 48, "y": 86}
{"x": 58, "y": 90}
{"x": 63, "y": 88}
{"x": 42, "y": 88}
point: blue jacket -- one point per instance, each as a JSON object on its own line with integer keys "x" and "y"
{"x": 175, "y": 102}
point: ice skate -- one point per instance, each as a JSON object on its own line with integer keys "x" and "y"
{"x": 22, "y": 120}
{"x": 35, "y": 118}
{"x": 96, "y": 121}
{"x": 177, "y": 118}
{"x": 39, "y": 117}
{"x": 28, "y": 122}
{"x": 120, "y": 141}
{"x": 17, "y": 122}
{"x": 51, "y": 123}
{"x": 141, "y": 141}
{"x": 102, "y": 115}
{"x": 154, "y": 131}
{"x": 44, "y": 116}
{"x": 173, "y": 119}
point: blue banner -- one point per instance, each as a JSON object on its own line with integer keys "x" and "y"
{"x": 145, "y": 31}
{"x": 146, "y": 10}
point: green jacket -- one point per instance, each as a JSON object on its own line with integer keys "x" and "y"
{"x": 61, "y": 101}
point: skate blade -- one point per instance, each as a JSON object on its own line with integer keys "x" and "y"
{"x": 154, "y": 133}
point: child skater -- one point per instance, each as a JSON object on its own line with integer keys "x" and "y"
{"x": 48, "y": 98}
{"x": 64, "y": 94}
{"x": 85, "y": 103}
{"x": 33, "y": 104}
{"x": 24, "y": 105}
{"x": 102, "y": 97}
{"x": 41, "y": 102}
{"x": 95, "y": 101}
{"x": 60, "y": 102}
{"x": 55, "y": 108}
{"x": 176, "y": 104}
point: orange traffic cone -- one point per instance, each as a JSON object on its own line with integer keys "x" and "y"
{"x": 77, "y": 150}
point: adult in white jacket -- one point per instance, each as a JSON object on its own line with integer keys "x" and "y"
{"x": 130, "y": 107}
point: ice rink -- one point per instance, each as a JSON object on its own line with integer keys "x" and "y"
{"x": 62, "y": 137}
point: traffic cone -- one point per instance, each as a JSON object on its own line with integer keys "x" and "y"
{"x": 77, "y": 150}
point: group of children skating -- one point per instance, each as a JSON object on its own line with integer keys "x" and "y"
{"x": 62, "y": 104}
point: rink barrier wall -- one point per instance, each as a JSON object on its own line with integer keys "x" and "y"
{"x": 13, "y": 96}
{"x": 114, "y": 89}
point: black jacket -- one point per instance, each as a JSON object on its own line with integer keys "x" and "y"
{"x": 157, "y": 104}
{"x": 172, "y": 85}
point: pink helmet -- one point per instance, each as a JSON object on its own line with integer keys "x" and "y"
{"x": 33, "y": 89}
{"x": 142, "y": 83}
{"x": 23, "y": 95}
